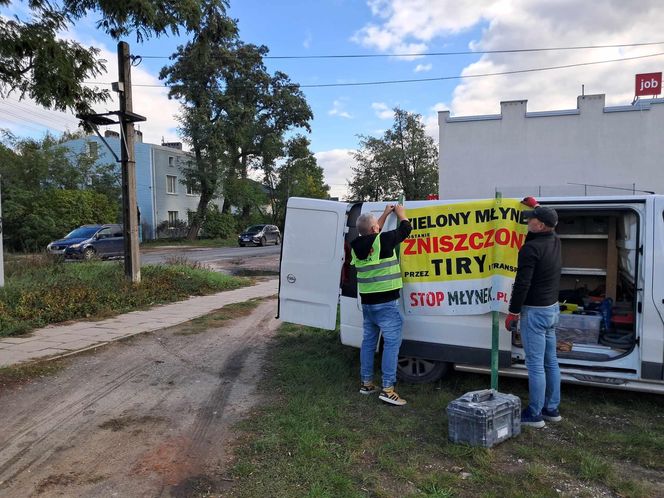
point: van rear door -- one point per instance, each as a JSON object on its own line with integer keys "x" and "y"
{"x": 311, "y": 260}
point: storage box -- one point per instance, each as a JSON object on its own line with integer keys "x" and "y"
{"x": 484, "y": 418}
{"x": 580, "y": 329}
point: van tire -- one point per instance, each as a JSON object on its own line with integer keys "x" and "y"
{"x": 88, "y": 253}
{"x": 420, "y": 371}
{"x": 263, "y": 241}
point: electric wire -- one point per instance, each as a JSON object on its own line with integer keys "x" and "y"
{"x": 50, "y": 116}
{"x": 438, "y": 54}
{"x": 441, "y": 78}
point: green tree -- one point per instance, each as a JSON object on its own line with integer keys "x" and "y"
{"x": 234, "y": 113}
{"x": 35, "y": 61}
{"x": 404, "y": 160}
{"x": 47, "y": 190}
{"x": 297, "y": 176}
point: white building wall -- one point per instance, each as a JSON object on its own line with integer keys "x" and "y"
{"x": 543, "y": 153}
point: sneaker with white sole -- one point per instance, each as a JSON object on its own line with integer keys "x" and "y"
{"x": 551, "y": 415}
{"x": 530, "y": 420}
{"x": 368, "y": 388}
{"x": 389, "y": 395}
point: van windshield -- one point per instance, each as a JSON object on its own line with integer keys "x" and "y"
{"x": 255, "y": 228}
{"x": 82, "y": 233}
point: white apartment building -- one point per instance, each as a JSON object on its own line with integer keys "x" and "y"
{"x": 590, "y": 150}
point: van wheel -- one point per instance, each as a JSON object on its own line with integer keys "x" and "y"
{"x": 88, "y": 253}
{"x": 263, "y": 241}
{"x": 278, "y": 241}
{"x": 420, "y": 371}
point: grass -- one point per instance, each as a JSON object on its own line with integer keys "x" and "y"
{"x": 315, "y": 436}
{"x": 39, "y": 291}
{"x": 229, "y": 242}
{"x": 217, "y": 318}
{"x": 17, "y": 375}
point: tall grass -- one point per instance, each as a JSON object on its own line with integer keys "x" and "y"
{"x": 39, "y": 291}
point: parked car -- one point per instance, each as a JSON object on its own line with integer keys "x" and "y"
{"x": 88, "y": 241}
{"x": 260, "y": 235}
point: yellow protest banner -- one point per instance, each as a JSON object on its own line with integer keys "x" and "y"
{"x": 461, "y": 258}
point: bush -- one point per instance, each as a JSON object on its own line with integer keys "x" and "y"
{"x": 166, "y": 230}
{"x": 219, "y": 225}
{"x": 32, "y": 220}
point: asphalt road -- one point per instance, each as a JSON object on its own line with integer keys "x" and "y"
{"x": 207, "y": 255}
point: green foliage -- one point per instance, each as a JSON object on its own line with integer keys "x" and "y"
{"x": 235, "y": 113}
{"x": 404, "y": 160}
{"x": 32, "y": 220}
{"x": 37, "y": 295}
{"x": 298, "y": 176}
{"x": 48, "y": 190}
{"x": 218, "y": 225}
{"x": 36, "y": 61}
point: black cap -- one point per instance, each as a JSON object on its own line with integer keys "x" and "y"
{"x": 546, "y": 215}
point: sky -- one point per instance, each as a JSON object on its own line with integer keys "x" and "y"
{"x": 385, "y": 28}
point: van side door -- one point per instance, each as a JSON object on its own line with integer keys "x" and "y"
{"x": 653, "y": 355}
{"x": 312, "y": 255}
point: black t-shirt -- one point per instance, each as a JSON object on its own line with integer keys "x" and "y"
{"x": 388, "y": 241}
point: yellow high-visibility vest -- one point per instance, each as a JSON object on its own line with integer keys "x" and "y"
{"x": 375, "y": 274}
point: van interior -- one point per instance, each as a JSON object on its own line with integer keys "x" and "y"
{"x": 597, "y": 285}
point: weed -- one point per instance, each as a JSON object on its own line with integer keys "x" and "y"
{"x": 56, "y": 292}
{"x": 315, "y": 436}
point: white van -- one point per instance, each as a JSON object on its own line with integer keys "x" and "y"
{"x": 611, "y": 247}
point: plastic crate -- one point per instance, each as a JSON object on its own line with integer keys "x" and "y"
{"x": 484, "y": 418}
{"x": 581, "y": 329}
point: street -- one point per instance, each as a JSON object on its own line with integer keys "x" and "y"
{"x": 208, "y": 256}
{"x": 149, "y": 416}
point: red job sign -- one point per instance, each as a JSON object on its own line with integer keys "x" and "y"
{"x": 648, "y": 84}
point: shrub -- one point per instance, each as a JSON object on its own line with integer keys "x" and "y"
{"x": 178, "y": 230}
{"x": 32, "y": 220}
{"x": 218, "y": 225}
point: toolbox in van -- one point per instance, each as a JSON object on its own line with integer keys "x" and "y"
{"x": 484, "y": 418}
{"x": 582, "y": 329}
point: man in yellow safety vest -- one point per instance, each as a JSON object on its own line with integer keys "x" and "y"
{"x": 379, "y": 283}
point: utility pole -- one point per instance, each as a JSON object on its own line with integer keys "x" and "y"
{"x": 132, "y": 261}
{"x": 2, "y": 256}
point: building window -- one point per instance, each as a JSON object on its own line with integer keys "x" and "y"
{"x": 93, "y": 150}
{"x": 171, "y": 184}
{"x": 171, "y": 161}
{"x": 172, "y": 218}
{"x": 190, "y": 188}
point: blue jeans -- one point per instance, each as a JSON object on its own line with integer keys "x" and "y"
{"x": 385, "y": 318}
{"x": 538, "y": 334}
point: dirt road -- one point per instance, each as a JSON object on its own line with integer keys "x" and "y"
{"x": 151, "y": 416}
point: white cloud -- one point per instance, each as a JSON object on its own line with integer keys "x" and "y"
{"x": 431, "y": 119}
{"x": 383, "y": 111}
{"x": 409, "y": 25}
{"x": 336, "y": 165}
{"x": 523, "y": 23}
{"x": 338, "y": 109}
{"x": 423, "y": 68}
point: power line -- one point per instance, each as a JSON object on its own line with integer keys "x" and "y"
{"x": 52, "y": 117}
{"x": 441, "y": 78}
{"x": 437, "y": 54}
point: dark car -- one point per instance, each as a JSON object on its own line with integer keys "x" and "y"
{"x": 89, "y": 241}
{"x": 260, "y": 235}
